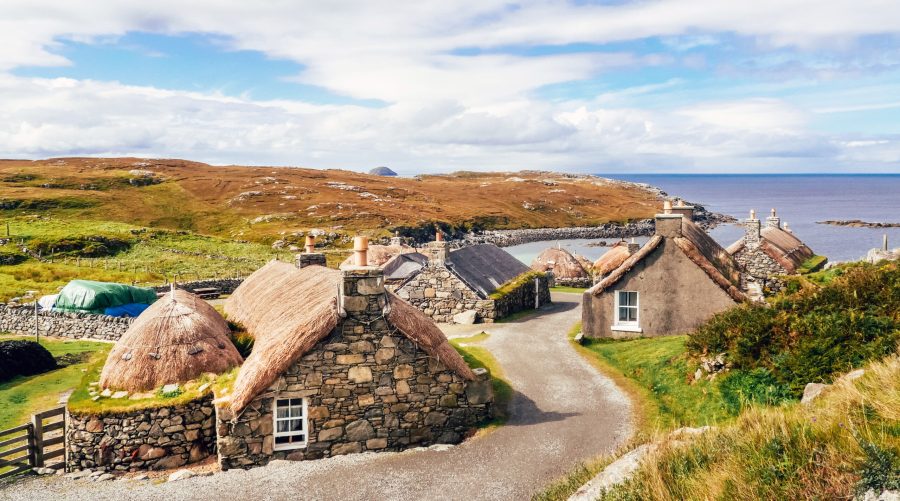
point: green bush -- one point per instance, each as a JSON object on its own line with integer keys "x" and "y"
{"x": 810, "y": 334}
{"x": 880, "y": 471}
{"x": 243, "y": 341}
{"x": 756, "y": 386}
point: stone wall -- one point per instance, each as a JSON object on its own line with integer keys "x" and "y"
{"x": 757, "y": 266}
{"x": 441, "y": 294}
{"x": 20, "y": 320}
{"x": 225, "y": 285}
{"x": 522, "y": 298}
{"x": 148, "y": 439}
{"x": 573, "y": 282}
{"x": 367, "y": 388}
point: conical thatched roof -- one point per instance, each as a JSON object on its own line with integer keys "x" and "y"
{"x": 176, "y": 339}
{"x": 561, "y": 262}
{"x": 380, "y": 254}
{"x": 614, "y": 257}
{"x": 288, "y": 310}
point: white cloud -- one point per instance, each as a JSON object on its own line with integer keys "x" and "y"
{"x": 444, "y": 110}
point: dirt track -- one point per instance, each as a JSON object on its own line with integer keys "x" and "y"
{"x": 563, "y": 412}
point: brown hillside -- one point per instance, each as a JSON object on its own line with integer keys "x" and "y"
{"x": 255, "y": 202}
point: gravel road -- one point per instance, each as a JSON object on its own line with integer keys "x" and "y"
{"x": 563, "y": 412}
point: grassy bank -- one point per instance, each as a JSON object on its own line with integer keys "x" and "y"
{"x": 23, "y": 396}
{"x": 479, "y": 357}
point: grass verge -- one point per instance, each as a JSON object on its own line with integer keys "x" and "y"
{"x": 480, "y": 357}
{"x": 23, "y": 396}
{"x": 571, "y": 290}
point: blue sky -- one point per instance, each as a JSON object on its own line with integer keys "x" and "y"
{"x": 664, "y": 86}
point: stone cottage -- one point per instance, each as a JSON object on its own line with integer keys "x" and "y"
{"x": 340, "y": 365}
{"x": 176, "y": 340}
{"x": 475, "y": 283}
{"x": 764, "y": 253}
{"x": 670, "y": 285}
{"x": 566, "y": 268}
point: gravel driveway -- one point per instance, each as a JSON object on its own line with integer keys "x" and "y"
{"x": 563, "y": 412}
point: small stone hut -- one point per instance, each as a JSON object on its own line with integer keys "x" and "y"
{"x": 340, "y": 365}
{"x": 671, "y": 285}
{"x": 481, "y": 282}
{"x": 566, "y": 268}
{"x": 177, "y": 339}
{"x": 764, "y": 253}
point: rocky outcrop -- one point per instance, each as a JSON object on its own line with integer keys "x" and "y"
{"x": 856, "y": 223}
{"x": 147, "y": 439}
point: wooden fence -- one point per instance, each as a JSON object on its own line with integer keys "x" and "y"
{"x": 40, "y": 443}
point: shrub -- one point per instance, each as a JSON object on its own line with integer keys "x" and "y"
{"x": 808, "y": 335}
{"x": 756, "y": 386}
{"x": 24, "y": 358}
{"x": 243, "y": 341}
{"x": 880, "y": 471}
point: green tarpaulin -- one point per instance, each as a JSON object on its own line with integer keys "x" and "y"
{"x": 94, "y": 297}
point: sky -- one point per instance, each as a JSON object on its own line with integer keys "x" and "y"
{"x": 435, "y": 86}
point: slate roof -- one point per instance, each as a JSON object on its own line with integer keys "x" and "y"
{"x": 403, "y": 266}
{"x": 485, "y": 267}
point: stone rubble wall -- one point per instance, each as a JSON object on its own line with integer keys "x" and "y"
{"x": 20, "y": 320}
{"x": 507, "y": 238}
{"x": 368, "y": 388}
{"x": 757, "y": 266}
{"x": 522, "y": 298}
{"x": 147, "y": 439}
{"x": 440, "y": 294}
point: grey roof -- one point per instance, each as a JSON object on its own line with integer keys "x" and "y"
{"x": 485, "y": 267}
{"x": 403, "y": 266}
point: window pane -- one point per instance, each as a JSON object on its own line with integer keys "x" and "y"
{"x": 296, "y": 401}
{"x": 282, "y": 426}
{"x": 623, "y": 314}
{"x": 632, "y": 299}
{"x": 296, "y": 425}
{"x": 282, "y": 440}
{"x": 632, "y": 314}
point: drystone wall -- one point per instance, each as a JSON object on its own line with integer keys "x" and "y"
{"x": 523, "y": 297}
{"x": 441, "y": 295}
{"x": 225, "y": 285}
{"x": 148, "y": 439}
{"x": 367, "y": 388}
{"x": 757, "y": 266}
{"x": 20, "y": 320}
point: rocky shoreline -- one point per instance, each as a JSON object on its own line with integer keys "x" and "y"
{"x": 856, "y": 223}
{"x": 640, "y": 228}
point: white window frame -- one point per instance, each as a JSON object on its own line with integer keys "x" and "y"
{"x": 304, "y": 417}
{"x": 627, "y": 326}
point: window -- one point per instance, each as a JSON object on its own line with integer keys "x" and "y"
{"x": 291, "y": 425}
{"x": 626, "y": 308}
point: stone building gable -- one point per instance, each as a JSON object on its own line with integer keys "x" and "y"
{"x": 367, "y": 388}
{"x": 440, "y": 294}
{"x": 759, "y": 267}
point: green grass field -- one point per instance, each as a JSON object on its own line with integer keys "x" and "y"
{"x": 478, "y": 357}
{"x": 23, "y": 396}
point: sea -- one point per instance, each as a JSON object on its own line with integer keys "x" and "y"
{"x": 801, "y": 200}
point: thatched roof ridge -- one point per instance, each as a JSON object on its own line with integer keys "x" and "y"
{"x": 176, "y": 339}
{"x": 287, "y": 310}
{"x": 422, "y": 330}
{"x": 785, "y": 248}
{"x": 561, "y": 262}
{"x": 613, "y": 258}
{"x": 626, "y": 265}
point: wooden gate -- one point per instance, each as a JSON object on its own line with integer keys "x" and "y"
{"x": 40, "y": 443}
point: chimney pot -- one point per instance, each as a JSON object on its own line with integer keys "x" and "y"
{"x": 360, "y": 251}
{"x": 310, "y": 244}
{"x": 438, "y": 236}
{"x": 752, "y": 213}
{"x": 667, "y": 207}
{"x": 773, "y": 221}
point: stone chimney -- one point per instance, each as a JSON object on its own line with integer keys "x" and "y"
{"x": 439, "y": 250}
{"x": 685, "y": 210}
{"x": 633, "y": 247}
{"x": 310, "y": 257}
{"x": 752, "y": 227}
{"x": 363, "y": 297}
{"x": 668, "y": 224}
{"x": 773, "y": 221}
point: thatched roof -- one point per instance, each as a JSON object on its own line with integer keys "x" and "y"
{"x": 288, "y": 310}
{"x": 561, "y": 262}
{"x": 700, "y": 248}
{"x": 485, "y": 267}
{"x": 784, "y": 247}
{"x": 378, "y": 255}
{"x": 614, "y": 257}
{"x": 176, "y": 339}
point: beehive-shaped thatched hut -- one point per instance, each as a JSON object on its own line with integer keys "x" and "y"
{"x": 566, "y": 268}
{"x": 175, "y": 340}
